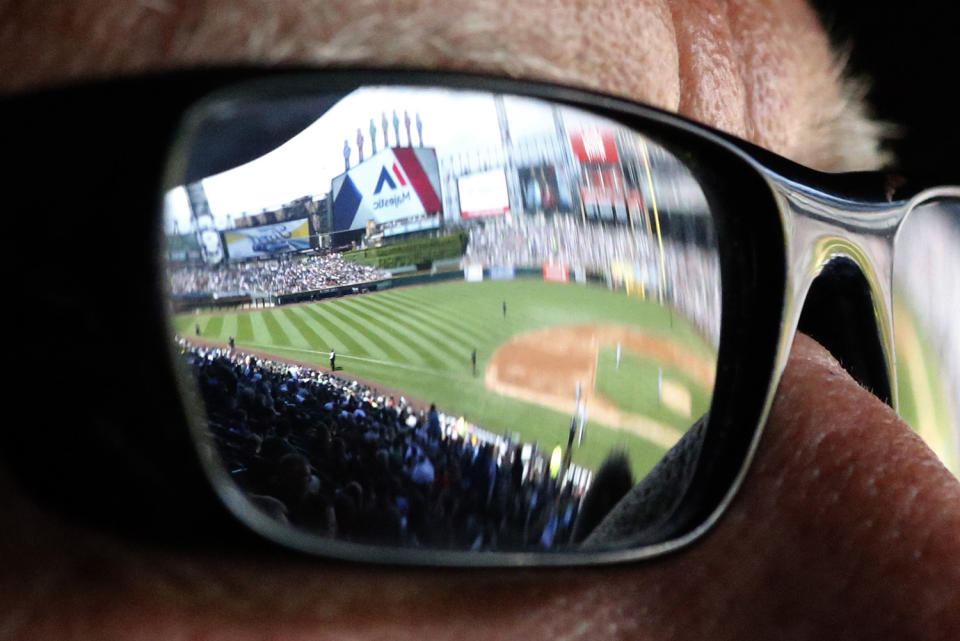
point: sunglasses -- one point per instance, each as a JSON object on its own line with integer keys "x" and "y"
{"x": 436, "y": 319}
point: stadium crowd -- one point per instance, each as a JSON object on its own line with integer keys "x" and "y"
{"x": 274, "y": 277}
{"x": 692, "y": 274}
{"x": 340, "y": 459}
{"x": 531, "y": 240}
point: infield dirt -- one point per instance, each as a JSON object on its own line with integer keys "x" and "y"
{"x": 545, "y": 366}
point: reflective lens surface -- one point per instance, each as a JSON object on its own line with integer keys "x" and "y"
{"x": 439, "y": 319}
{"x": 925, "y": 317}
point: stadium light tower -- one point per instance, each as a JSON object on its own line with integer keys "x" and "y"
{"x": 513, "y": 180}
{"x": 201, "y": 219}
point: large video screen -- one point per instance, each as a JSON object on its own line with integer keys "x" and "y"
{"x": 268, "y": 240}
{"x": 542, "y": 192}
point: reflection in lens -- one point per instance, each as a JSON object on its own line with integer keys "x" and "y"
{"x": 925, "y": 317}
{"x": 442, "y": 319}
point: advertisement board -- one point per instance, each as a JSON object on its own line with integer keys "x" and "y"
{"x": 541, "y": 191}
{"x": 502, "y": 272}
{"x": 594, "y": 146}
{"x": 395, "y": 184}
{"x": 268, "y": 240}
{"x": 604, "y": 195}
{"x": 483, "y": 194}
{"x": 556, "y": 272}
{"x": 473, "y": 272}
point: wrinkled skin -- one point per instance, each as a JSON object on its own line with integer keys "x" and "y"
{"x": 846, "y": 526}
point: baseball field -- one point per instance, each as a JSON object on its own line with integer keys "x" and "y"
{"x": 554, "y": 339}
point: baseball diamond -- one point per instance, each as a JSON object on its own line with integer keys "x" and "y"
{"x": 420, "y": 339}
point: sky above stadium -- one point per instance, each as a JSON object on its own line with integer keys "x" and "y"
{"x": 454, "y": 122}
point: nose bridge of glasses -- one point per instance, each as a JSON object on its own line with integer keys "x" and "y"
{"x": 839, "y": 279}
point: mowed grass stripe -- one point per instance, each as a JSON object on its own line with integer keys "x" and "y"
{"x": 453, "y": 335}
{"x": 274, "y": 329}
{"x": 475, "y": 313}
{"x": 318, "y": 332}
{"x": 439, "y": 350}
{"x": 261, "y": 334}
{"x": 460, "y": 312}
{"x": 229, "y": 326}
{"x": 468, "y": 325}
{"x": 213, "y": 327}
{"x": 383, "y": 328}
{"x": 294, "y": 337}
{"x": 438, "y": 338}
{"x": 244, "y": 329}
{"x": 399, "y": 326}
{"x": 361, "y": 327}
{"x": 478, "y": 309}
{"x": 341, "y": 338}
{"x": 183, "y": 325}
{"x": 441, "y": 294}
{"x": 304, "y": 328}
{"x": 433, "y": 315}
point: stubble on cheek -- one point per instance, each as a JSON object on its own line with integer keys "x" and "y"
{"x": 842, "y": 513}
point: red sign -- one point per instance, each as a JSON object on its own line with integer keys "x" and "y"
{"x": 594, "y": 145}
{"x": 557, "y": 272}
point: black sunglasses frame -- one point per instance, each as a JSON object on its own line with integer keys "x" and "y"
{"x": 109, "y": 445}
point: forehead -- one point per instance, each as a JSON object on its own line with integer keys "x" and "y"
{"x": 760, "y": 70}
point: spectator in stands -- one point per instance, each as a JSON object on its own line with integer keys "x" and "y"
{"x": 433, "y": 425}
{"x": 270, "y": 277}
{"x": 691, "y": 272}
{"x": 340, "y": 459}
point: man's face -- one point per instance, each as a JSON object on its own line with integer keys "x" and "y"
{"x": 795, "y": 545}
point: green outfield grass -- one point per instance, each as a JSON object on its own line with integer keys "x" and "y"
{"x": 419, "y": 340}
{"x": 634, "y": 388}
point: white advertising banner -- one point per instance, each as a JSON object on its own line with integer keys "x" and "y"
{"x": 473, "y": 273}
{"x": 483, "y": 194}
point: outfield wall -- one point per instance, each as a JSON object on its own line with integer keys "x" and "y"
{"x": 186, "y": 304}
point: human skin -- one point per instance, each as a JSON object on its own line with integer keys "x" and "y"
{"x": 846, "y": 524}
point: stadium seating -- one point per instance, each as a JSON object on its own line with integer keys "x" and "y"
{"x": 339, "y": 459}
